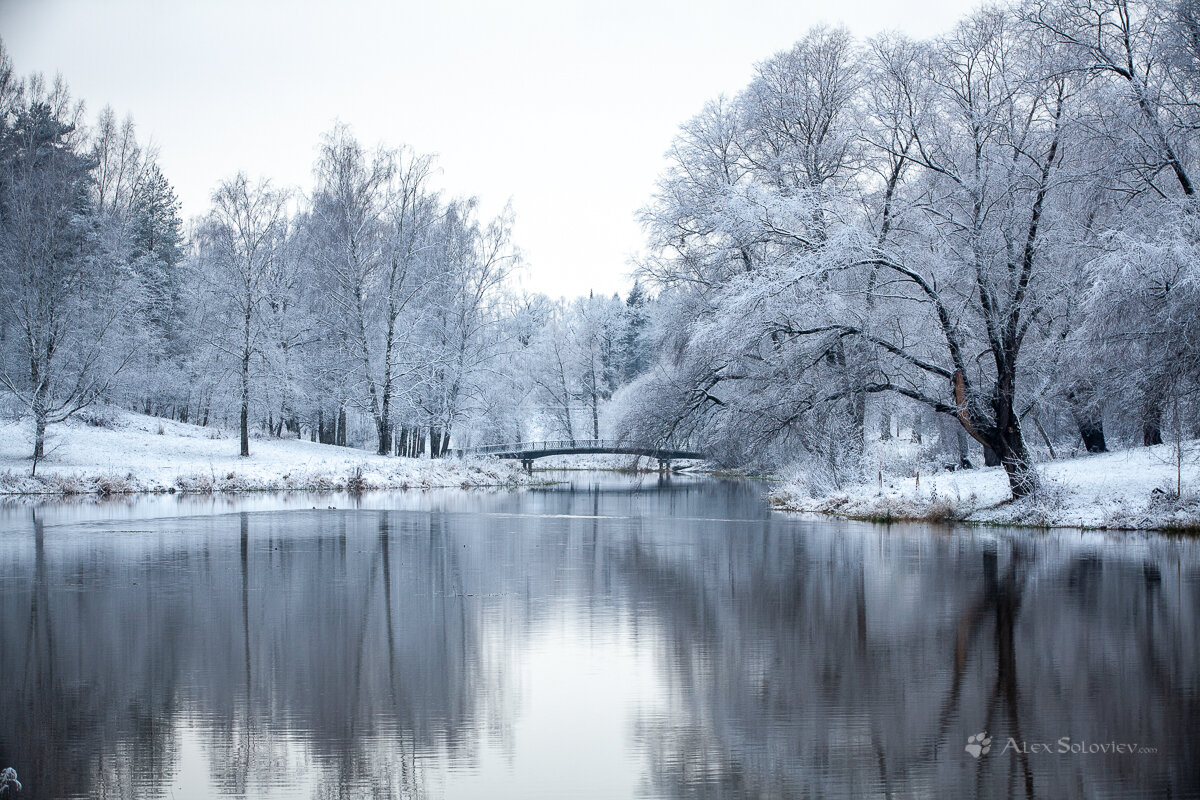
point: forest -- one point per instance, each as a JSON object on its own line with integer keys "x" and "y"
{"x": 986, "y": 241}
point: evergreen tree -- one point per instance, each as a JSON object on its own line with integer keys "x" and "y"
{"x": 156, "y": 234}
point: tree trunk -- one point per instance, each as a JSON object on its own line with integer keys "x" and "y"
{"x": 1090, "y": 424}
{"x": 1002, "y": 437}
{"x": 384, "y": 427}
{"x": 1018, "y": 465}
{"x": 1152, "y": 424}
{"x": 1092, "y": 433}
{"x": 964, "y": 460}
{"x": 39, "y": 436}
{"x": 858, "y": 429}
{"x": 595, "y": 416}
{"x": 340, "y": 435}
{"x": 245, "y": 410}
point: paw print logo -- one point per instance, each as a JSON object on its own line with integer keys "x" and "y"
{"x": 979, "y": 744}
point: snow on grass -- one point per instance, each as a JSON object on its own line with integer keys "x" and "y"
{"x": 118, "y": 451}
{"x": 1133, "y": 489}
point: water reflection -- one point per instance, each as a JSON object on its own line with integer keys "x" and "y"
{"x": 609, "y": 637}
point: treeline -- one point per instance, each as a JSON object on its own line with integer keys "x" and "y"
{"x": 997, "y": 227}
{"x": 370, "y": 311}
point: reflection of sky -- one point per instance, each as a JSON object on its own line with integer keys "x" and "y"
{"x": 565, "y": 738}
{"x": 582, "y": 683}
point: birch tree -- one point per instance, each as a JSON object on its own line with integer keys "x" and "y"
{"x": 241, "y": 243}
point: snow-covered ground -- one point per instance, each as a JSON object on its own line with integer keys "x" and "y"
{"x": 128, "y": 452}
{"x": 1133, "y": 489}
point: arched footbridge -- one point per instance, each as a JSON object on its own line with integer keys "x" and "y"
{"x": 528, "y": 452}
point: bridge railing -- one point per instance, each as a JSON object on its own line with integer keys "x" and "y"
{"x": 553, "y": 444}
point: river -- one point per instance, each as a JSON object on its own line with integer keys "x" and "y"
{"x": 610, "y": 637}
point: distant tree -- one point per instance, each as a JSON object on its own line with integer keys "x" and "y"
{"x": 464, "y": 330}
{"x": 241, "y": 244}
{"x": 119, "y": 162}
{"x": 156, "y": 239}
{"x": 635, "y": 348}
{"x": 595, "y": 351}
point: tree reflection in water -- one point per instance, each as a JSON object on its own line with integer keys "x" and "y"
{"x": 380, "y": 652}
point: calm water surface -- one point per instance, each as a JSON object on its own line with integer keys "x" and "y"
{"x": 610, "y": 638}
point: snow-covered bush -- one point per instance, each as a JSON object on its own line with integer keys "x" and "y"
{"x": 355, "y": 482}
{"x": 9, "y": 782}
{"x": 1044, "y": 506}
{"x": 196, "y": 482}
{"x": 66, "y": 483}
{"x": 111, "y": 484}
{"x": 99, "y": 417}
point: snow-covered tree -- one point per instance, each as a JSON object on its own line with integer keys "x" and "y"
{"x": 239, "y": 262}
{"x": 64, "y": 293}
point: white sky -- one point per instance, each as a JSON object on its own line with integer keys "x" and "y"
{"x": 564, "y": 107}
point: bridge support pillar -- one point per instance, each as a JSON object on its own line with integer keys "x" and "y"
{"x": 664, "y": 465}
{"x": 527, "y": 463}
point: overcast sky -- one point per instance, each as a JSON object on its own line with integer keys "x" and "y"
{"x": 564, "y": 107}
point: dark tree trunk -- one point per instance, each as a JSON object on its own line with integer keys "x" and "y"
{"x": 990, "y": 458}
{"x": 1089, "y": 422}
{"x": 1152, "y": 426}
{"x": 1092, "y": 433}
{"x": 1003, "y": 437}
{"x": 340, "y": 437}
{"x": 384, "y": 427}
{"x": 1016, "y": 460}
{"x": 245, "y": 409}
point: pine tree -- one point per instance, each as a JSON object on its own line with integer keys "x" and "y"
{"x": 156, "y": 232}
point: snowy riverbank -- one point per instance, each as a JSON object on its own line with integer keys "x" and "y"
{"x": 130, "y": 452}
{"x": 1129, "y": 489}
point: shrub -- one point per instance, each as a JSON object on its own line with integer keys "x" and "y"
{"x": 196, "y": 482}
{"x": 108, "y": 484}
{"x": 99, "y": 417}
{"x": 355, "y": 482}
{"x": 66, "y": 483}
